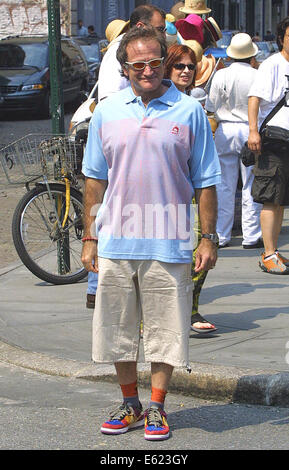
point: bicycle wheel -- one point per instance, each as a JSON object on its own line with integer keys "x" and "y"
{"x": 51, "y": 254}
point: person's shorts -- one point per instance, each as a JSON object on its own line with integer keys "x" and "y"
{"x": 271, "y": 182}
{"x": 129, "y": 291}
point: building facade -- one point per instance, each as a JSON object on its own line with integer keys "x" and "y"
{"x": 30, "y": 16}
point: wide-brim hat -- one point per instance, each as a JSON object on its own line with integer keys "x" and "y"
{"x": 204, "y": 69}
{"x": 242, "y": 47}
{"x": 213, "y": 28}
{"x": 115, "y": 28}
{"x": 196, "y": 48}
{"x": 191, "y": 27}
{"x": 195, "y": 6}
{"x": 175, "y": 11}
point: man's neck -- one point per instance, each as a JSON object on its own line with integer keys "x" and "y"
{"x": 285, "y": 55}
{"x": 147, "y": 97}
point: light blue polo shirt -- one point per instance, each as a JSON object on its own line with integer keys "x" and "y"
{"x": 152, "y": 157}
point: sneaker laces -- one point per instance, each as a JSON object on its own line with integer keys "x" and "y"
{"x": 154, "y": 417}
{"x": 120, "y": 412}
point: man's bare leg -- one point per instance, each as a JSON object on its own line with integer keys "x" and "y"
{"x": 271, "y": 222}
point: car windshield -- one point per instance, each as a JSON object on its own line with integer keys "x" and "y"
{"x": 91, "y": 52}
{"x": 23, "y": 55}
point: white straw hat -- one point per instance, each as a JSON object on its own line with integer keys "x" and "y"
{"x": 242, "y": 47}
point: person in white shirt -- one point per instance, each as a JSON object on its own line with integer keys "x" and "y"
{"x": 110, "y": 79}
{"x": 228, "y": 100}
{"x": 271, "y": 183}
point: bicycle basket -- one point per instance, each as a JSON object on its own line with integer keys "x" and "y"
{"x": 36, "y": 156}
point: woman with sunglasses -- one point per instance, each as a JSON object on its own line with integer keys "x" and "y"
{"x": 180, "y": 68}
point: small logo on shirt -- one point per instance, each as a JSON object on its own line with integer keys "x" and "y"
{"x": 175, "y": 130}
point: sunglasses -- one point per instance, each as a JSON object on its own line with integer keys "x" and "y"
{"x": 141, "y": 64}
{"x": 183, "y": 66}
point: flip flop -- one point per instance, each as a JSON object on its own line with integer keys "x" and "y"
{"x": 197, "y": 318}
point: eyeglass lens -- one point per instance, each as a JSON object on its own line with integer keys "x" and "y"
{"x": 153, "y": 63}
{"x": 183, "y": 66}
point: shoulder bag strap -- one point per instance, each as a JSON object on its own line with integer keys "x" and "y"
{"x": 272, "y": 113}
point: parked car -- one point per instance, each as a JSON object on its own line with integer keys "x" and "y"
{"x": 25, "y": 74}
{"x": 92, "y": 48}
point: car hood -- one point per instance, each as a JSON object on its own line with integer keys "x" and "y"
{"x": 16, "y": 77}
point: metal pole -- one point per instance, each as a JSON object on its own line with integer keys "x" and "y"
{"x": 57, "y": 114}
{"x": 55, "y": 56}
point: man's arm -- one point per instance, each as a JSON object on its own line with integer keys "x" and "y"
{"x": 206, "y": 254}
{"x": 93, "y": 196}
{"x": 254, "y": 139}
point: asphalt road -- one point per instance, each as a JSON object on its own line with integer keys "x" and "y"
{"x": 15, "y": 125}
{"x": 41, "y": 412}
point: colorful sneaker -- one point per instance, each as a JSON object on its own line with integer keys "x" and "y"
{"x": 122, "y": 419}
{"x": 282, "y": 258}
{"x": 156, "y": 426}
{"x": 273, "y": 265}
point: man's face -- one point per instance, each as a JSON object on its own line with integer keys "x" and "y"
{"x": 158, "y": 22}
{"x": 146, "y": 82}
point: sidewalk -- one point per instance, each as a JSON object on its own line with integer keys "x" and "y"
{"x": 47, "y": 328}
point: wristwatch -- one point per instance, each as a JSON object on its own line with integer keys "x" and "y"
{"x": 211, "y": 236}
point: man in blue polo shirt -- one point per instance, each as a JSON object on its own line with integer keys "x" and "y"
{"x": 150, "y": 150}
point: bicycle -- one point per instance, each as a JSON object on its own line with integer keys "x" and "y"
{"x": 47, "y": 225}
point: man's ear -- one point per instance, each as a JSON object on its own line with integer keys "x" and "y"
{"x": 124, "y": 69}
{"x": 140, "y": 24}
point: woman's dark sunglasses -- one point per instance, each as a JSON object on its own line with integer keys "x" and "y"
{"x": 183, "y": 66}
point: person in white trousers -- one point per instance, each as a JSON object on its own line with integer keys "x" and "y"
{"x": 228, "y": 100}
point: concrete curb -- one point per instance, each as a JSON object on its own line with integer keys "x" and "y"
{"x": 205, "y": 381}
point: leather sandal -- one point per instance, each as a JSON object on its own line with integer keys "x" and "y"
{"x": 197, "y": 318}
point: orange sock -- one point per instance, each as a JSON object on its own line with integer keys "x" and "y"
{"x": 158, "y": 397}
{"x": 129, "y": 390}
{"x": 130, "y": 394}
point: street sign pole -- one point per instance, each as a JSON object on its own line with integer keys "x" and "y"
{"x": 57, "y": 115}
{"x": 55, "y": 56}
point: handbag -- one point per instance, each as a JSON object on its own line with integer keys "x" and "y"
{"x": 248, "y": 157}
{"x": 276, "y": 133}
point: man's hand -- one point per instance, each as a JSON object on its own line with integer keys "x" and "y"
{"x": 93, "y": 195}
{"x": 254, "y": 141}
{"x": 89, "y": 256}
{"x": 206, "y": 256}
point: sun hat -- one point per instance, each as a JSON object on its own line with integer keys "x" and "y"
{"x": 195, "y": 6}
{"x": 191, "y": 28}
{"x": 115, "y": 28}
{"x": 242, "y": 47}
{"x": 175, "y": 11}
{"x": 204, "y": 69}
{"x": 213, "y": 28}
{"x": 196, "y": 48}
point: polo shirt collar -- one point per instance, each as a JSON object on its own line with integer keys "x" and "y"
{"x": 169, "y": 97}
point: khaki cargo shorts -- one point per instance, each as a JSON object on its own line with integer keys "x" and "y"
{"x": 129, "y": 291}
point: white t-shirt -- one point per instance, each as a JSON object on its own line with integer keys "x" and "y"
{"x": 228, "y": 96}
{"x": 270, "y": 85}
{"x": 109, "y": 78}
